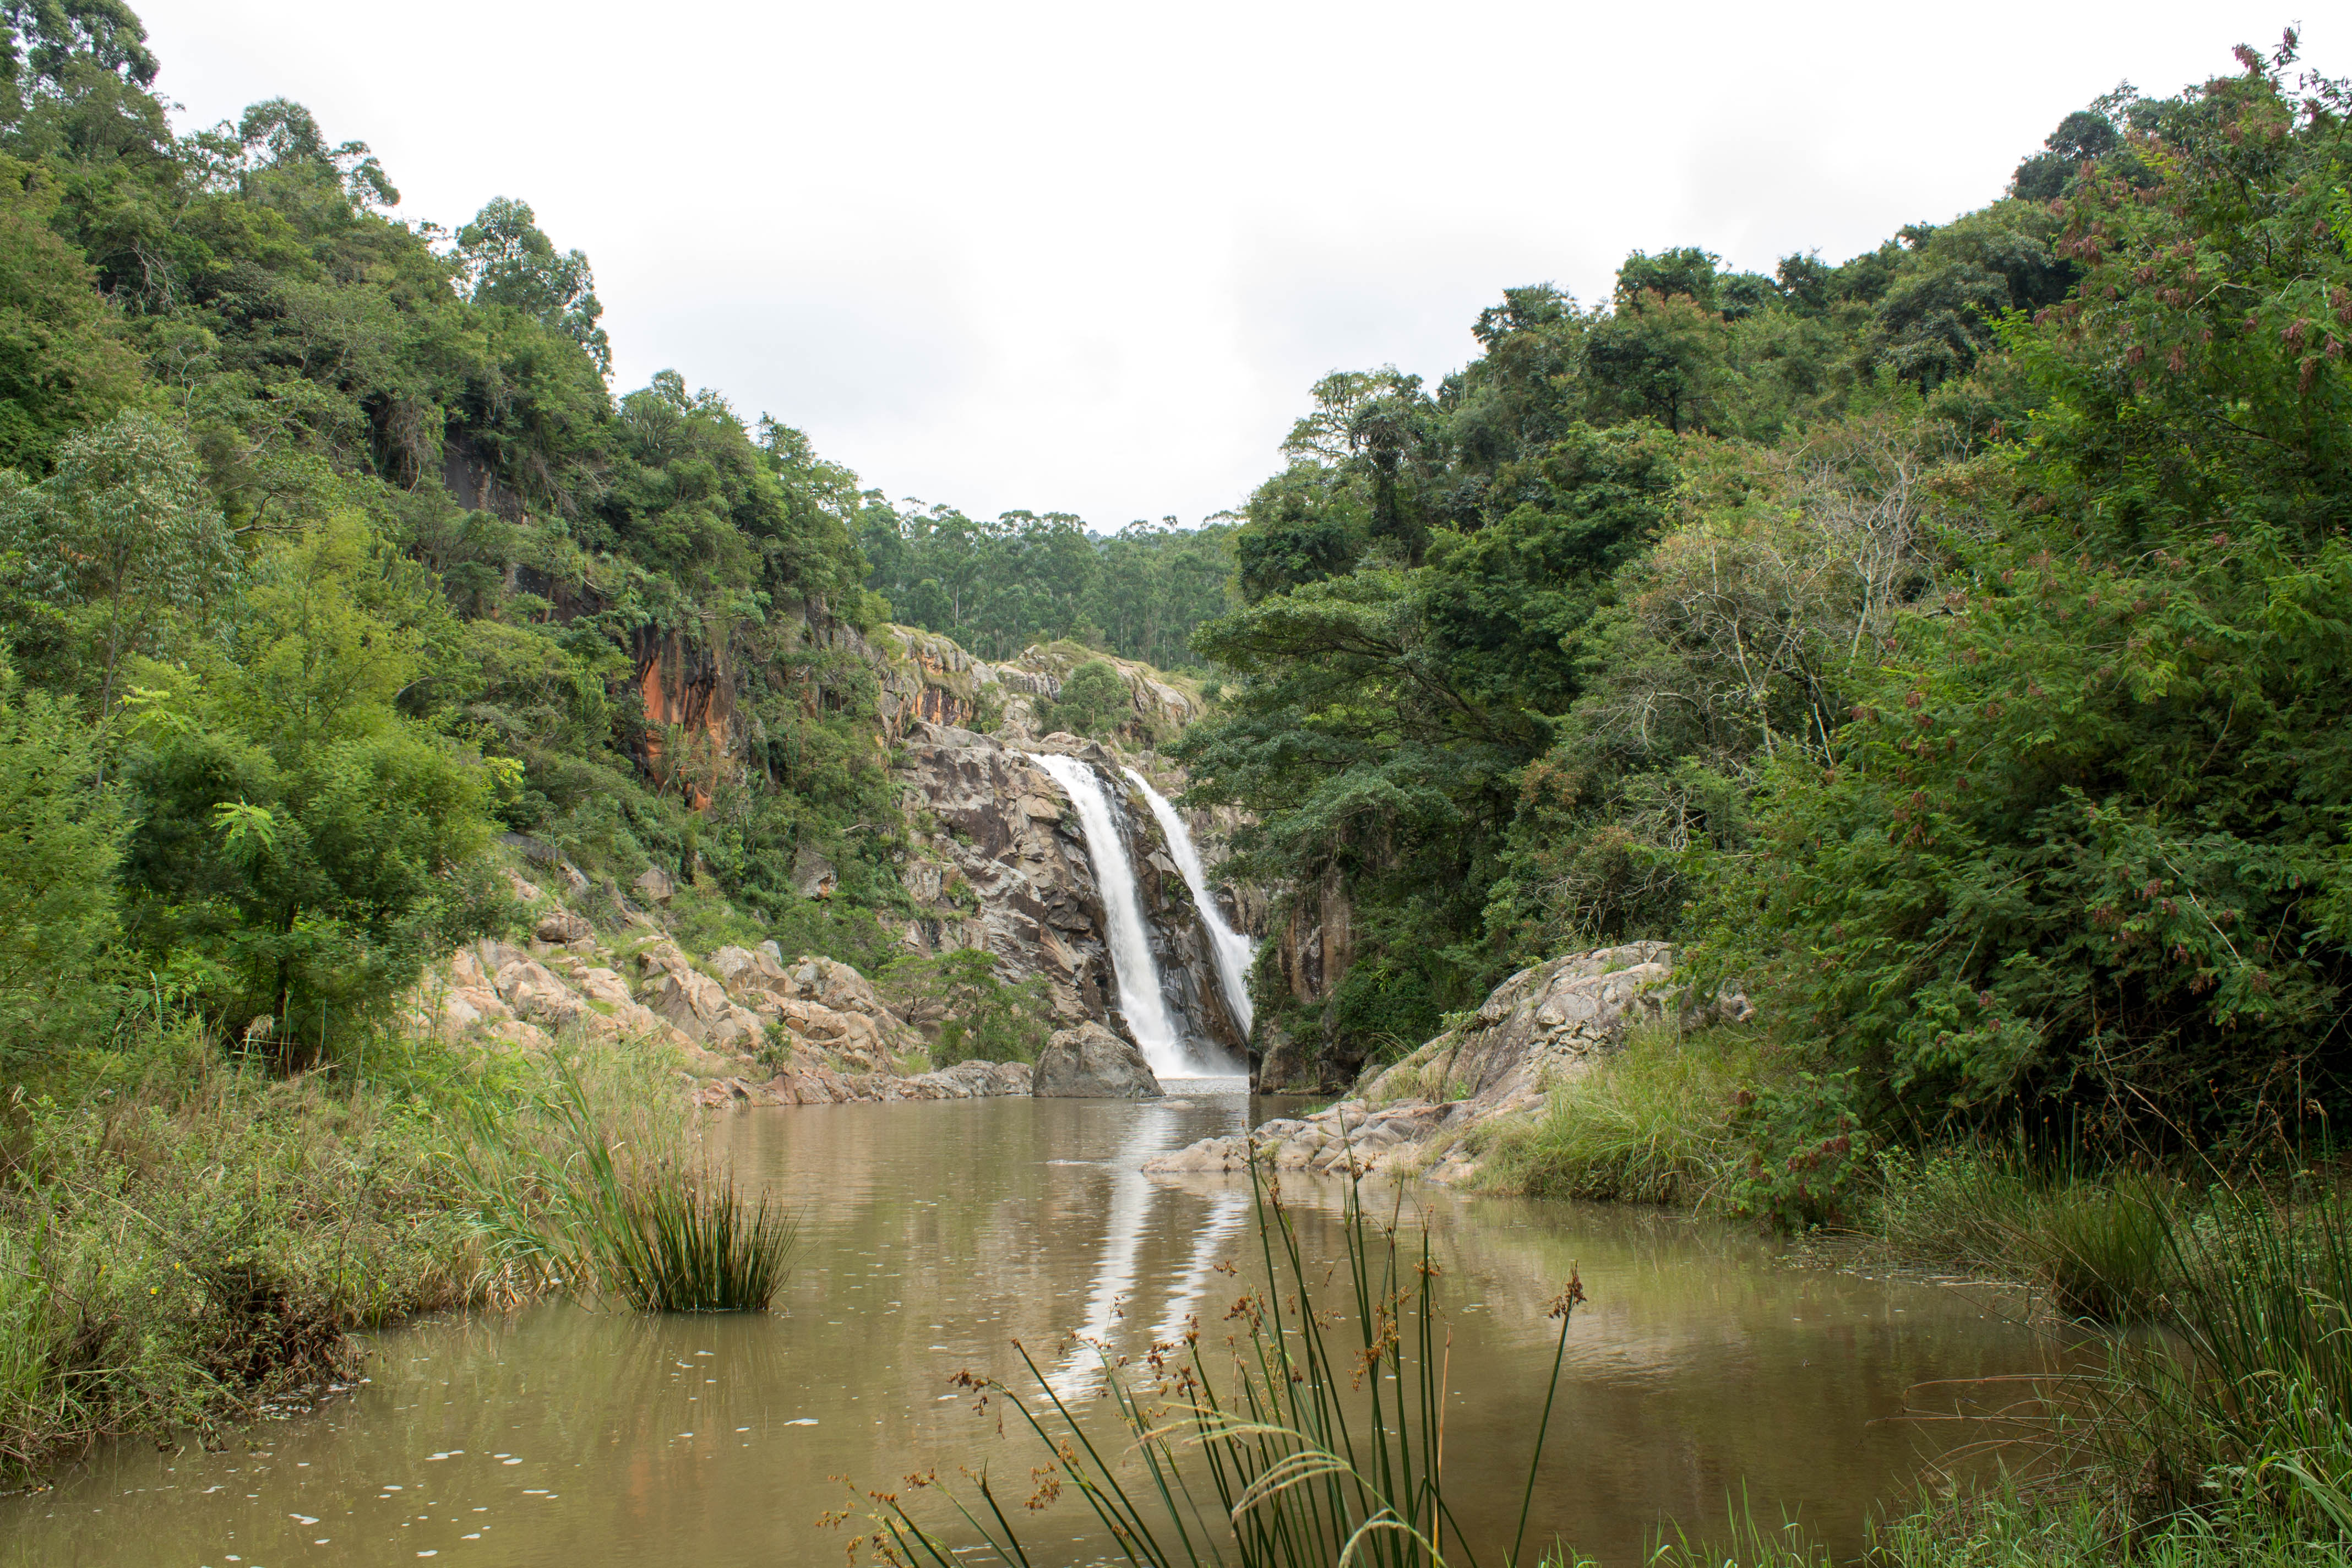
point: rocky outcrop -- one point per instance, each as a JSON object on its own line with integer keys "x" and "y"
{"x": 747, "y": 1027}
{"x": 1541, "y": 1029}
{"x": 1089, "y": 1062}
{"x": 696, "y": 1005}
{"x": 1348, "y": 1138}
{"x": 1542, "y": 1026}
{"x": 519, "y": 997}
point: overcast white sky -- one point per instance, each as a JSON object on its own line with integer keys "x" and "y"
{"x": 1088, "y": 257}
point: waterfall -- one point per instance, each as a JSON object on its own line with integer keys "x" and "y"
{"x": 1128, "y": 937}
{"x": 1234, "y": 951}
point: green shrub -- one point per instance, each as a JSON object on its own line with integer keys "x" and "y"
{"x": 181, "y": 1240}
{"x": 1806, "y": 1155}
{"x": 979, "y": 1016}
{"x": 1094, "y": 700}
{"x": 57, "y": 894}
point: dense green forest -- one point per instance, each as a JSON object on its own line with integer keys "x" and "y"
{"x": 998, "y": 587}
{"x": 1951, "y": 641}
{"x": 329, "y": 552}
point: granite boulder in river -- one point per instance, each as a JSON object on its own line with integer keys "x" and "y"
{"x": 1089, "y": 1062}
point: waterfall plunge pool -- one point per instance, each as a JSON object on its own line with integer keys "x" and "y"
{"x": 936, "y": 1233}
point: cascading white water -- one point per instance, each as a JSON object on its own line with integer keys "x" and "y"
{"x": 1128, "y": 937}
{"x": 1234, "y": 951}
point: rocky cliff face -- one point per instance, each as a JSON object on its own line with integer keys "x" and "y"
{"x": 1004, "y": 867}
{"x": 998, "y": 861}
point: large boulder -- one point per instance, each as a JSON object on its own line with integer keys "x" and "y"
{"x": 1542, "y": 1028}
{"x": 965, "y": 1081}
{"x": 818, "y": 1001}
{"x": 742, "y": 969}
{"x": 536, "y": 994}
{"x": 563, "y": 928}
{"x": 1089, "y": 1062}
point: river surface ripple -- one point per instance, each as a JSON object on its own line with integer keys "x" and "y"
{"x": 932, "y": 1236}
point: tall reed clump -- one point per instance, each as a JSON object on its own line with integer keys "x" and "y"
{"x": 1652, "y": 1124}
{"x": 2223, "y": 1439}
{"x": 1323, "y": 1445}
{"x": 2258, "y": 1410}
{"x": 2101, "y": 1243}
{"x": 633, "y": 1222}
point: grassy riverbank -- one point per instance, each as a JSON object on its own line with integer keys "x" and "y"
{"x": 183, "y": 1239}
{"x": 2218, "y": 1430}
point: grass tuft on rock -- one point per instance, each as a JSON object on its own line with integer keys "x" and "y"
{"x": 1652, "y": 1123}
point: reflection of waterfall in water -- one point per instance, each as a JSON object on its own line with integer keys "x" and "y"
{"x": 1226, "y": 1213}
{"x": 1128, "y": 937}
{"x": 1133, "y": 1198}
{"x": 1234, "y": 949}
{"x": 1131, "y": 1195}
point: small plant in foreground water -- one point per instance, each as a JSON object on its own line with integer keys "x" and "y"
{"x": 1299, "y": 1456}
{"x": 661, "y": 1236}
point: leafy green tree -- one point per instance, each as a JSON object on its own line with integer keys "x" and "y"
{"x": 1504, "y": 602}
{"x": 2085, "y": 136}
{"x": 1093, "y": 700}
{"x": 57, "y": 892}
{"x": 120, "y": 538}
{"x": 1308, "y": 523}
{"x": 301, "y": 848}
{"x": 509, "y": 263}
{"x": 61, "y": 365}
{"x": 1663, "y": 357}
{"x": 2083, "y": 841}
{"x": 1940, "y": 315}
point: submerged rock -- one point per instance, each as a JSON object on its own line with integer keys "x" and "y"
{"x": 1089, "y": 1062}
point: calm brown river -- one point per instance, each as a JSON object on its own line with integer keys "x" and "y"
{"x": 933, "y": 1235}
